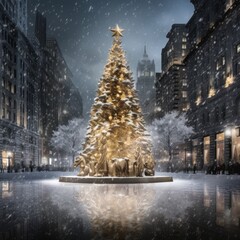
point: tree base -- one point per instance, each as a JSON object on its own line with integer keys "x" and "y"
{"x": 115, "y": 180}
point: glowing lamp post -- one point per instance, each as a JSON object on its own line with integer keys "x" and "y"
{"x": 228, "y": 134}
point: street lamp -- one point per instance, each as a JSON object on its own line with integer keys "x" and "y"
{"x": 185, "y": 151}
{"x": 187, "y": 155}
{"x": 228, "y": 132}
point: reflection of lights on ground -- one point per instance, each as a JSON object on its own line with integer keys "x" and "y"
{"x": 51, "y": 182}
{"x": 5, "y": 189}
{"x": 119, "y": 207}
{"x": 134, "y": 211}
{"x": 112, "y": 209}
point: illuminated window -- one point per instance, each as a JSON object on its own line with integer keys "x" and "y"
{"x": 206, "y": 150}
{"x": 184, "y": 46}
{"x": 146, "y": 74}
{"x": 223, "y": 60}
{"x": 184, "y": 82}
{"x": 238, "y": 48}
{"x": 184, "y": 94}
{"x": 184, "y": 39}
{"x": 237, "y": 130}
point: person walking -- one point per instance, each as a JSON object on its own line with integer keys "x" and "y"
{"x": 194, "y": 168}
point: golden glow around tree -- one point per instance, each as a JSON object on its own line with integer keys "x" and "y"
{"x": 116, "y": 143}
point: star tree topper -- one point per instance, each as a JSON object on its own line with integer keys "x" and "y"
{"x": 117, "y": 31}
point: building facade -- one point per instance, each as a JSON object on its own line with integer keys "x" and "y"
{"x": 19, "y": 106}
{"x": 36, "y": 90}
{"x": 60, "y": 100}
{"x": 146, "y": 85}
{"x": 41, "y": 29}
{"x": 213, "y": 75}
{"x": 57, "y": 96}
{"x": 171, "y": 85}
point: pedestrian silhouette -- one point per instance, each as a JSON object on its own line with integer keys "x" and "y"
{"x": 194, "y": 168}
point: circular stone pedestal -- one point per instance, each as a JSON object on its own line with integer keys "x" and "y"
{"x": 114, "y": 180}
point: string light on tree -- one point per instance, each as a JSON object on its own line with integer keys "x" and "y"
{"x": 117, "y": 143}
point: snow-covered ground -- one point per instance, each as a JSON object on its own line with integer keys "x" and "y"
{"x": 194, "y": 206}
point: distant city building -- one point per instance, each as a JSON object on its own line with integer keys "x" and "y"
{"x": 171, "y": 84}
{"x": 19, "y": 103}
{"x": 213, "y": 75}
{"x": 57, "y": 94}
{"x": 60, "y": 100}
{"x": 36, "y": 90}
{"x": 41, "y": 29}
{"x": 22, "y": 20}
{"x": 146, "y": 85}
{"x": 17, "y": 11}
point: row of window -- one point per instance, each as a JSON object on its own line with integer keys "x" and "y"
{"x": 10, "y": 133}
{"x": 8, "y": 55}
{"x": 8, "y": 38}
{"x": 219, "y": 82}
{"x": 9, "y": 7}
{"x": 9, "y": 115}
{"x": 9, "y": 102}
{"x": 9, "y": 86}
{"x": 219, "y": 113}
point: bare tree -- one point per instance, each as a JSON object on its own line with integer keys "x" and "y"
{"x": 68, "y": 138}
{"x": 170, "y": 131}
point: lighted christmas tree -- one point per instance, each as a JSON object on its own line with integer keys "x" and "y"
{"x": 116, "y": 143}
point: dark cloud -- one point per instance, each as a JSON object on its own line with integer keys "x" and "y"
{"x": 81, "y": 28}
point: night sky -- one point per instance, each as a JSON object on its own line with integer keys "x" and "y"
{"x": 81, "y": 28}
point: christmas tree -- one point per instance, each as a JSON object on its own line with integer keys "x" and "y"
{"x": 116, "y": 143}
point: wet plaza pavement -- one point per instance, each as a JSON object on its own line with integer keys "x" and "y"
{"x": 193, "y": 206}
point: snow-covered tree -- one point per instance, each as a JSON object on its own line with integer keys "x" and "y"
{"x": 68, "y": 138}
{"x": 170, "y": 131}
{"x": 116, "y": 143}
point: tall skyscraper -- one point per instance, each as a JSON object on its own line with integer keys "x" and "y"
{"x": 22, "y": 15}
{"x": 41, "y": 29}
{"x": 60, "y": 100}
{"x": 17, "y": 12}
{"x": 171, "y": 85}
{"x": 145, "y": 84}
